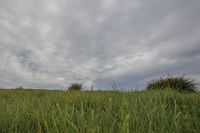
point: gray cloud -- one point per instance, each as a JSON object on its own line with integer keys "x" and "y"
{"x": 49, "y": 43}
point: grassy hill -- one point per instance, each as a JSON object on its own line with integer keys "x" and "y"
{"x": 40, "y": 111}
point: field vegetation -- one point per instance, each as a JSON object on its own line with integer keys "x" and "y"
{"x": 43, "y": 111}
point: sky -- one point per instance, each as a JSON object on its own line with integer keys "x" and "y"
{"x": 50, "y": 44}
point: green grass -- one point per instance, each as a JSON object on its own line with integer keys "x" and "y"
{"x": 35, "y": 111}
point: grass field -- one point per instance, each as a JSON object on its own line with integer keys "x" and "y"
{"x": 39, "y": 111}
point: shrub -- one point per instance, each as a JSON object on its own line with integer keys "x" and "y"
{"x": 75, "y": 87}
{"x": 179, "y": 83}
{"x": 19, "y": 88}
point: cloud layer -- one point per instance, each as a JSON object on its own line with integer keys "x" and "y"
{"x": 51, "y": 43}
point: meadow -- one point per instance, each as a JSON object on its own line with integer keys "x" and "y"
{"x": 48, "y": 111}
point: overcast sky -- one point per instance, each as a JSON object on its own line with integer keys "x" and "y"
{"x": 52, "y": 43}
